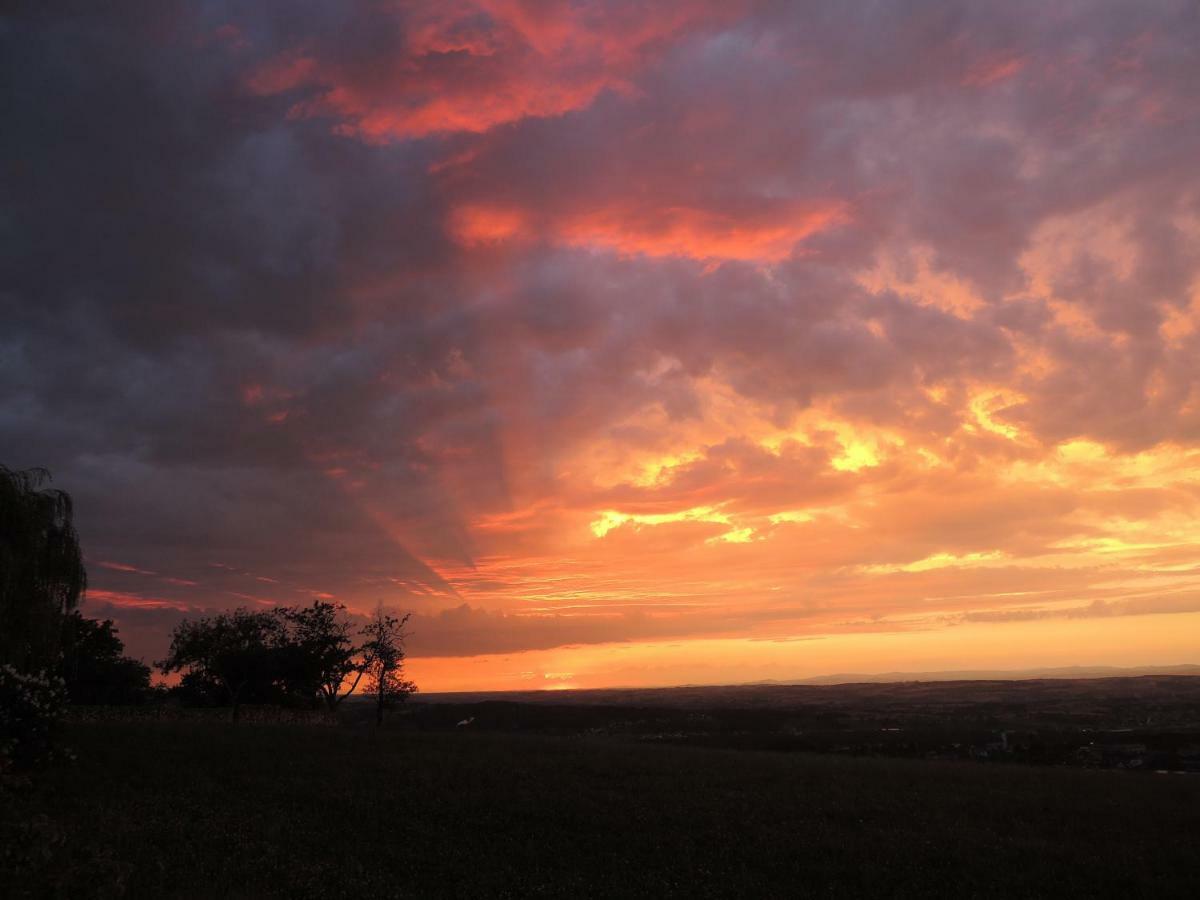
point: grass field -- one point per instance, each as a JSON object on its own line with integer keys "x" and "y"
{"x": 201, "y": 809}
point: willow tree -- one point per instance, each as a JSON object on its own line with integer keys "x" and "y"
{"x": 41, "y": 568}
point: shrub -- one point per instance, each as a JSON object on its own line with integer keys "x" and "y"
{"x": 30, "y": 708}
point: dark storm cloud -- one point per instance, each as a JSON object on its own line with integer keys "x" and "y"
{"x": 184, "y": 270}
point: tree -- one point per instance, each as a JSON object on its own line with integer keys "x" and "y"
{"x": 318, "y": 656}
{"x": 197, "y": 689}
{"x": 41, "y": 568}
{"x": 240, "y": 651}
{"x": 95, "y": 668}
{"x": 383, "y": 660}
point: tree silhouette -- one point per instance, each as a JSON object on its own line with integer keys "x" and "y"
{"x": 240, "y": 651}
{"x": 318, "y": 655}
{"x": 95, "y": 668}
{"x": 383, "y": 660}
{"x": 41, "y": 568}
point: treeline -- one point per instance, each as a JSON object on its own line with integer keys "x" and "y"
{"x": 51, "y": 655}
{"x": 296, "y": 656}
{"x": 291, "y": 655}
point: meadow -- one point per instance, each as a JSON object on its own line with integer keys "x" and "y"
{"x": 207, "y": 809}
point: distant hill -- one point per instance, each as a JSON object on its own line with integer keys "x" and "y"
{"x": 1067, "y": 682}
{"x": 996, "y": 674}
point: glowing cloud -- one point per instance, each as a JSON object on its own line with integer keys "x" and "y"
{"x": 621, "y": 342}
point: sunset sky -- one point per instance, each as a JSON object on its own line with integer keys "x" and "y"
{"x": 623, "y": 343}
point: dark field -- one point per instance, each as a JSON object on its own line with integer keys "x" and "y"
{"x": 1148, "y": 723}
{"x": 200, "y": 809}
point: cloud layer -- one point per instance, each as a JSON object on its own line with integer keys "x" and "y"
{"x": 582, "y": 324}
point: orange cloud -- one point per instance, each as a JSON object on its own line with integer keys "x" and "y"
{"x": 475, "y": 225}
{"x": 123, "y": 567}
{"x": 135, "y": 601}
{"x": 690, "y": 233}
{"x": 471, "y": 66}
{"x": 702, "y": 234}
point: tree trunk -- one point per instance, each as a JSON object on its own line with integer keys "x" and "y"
{"x": 235, "y": 699}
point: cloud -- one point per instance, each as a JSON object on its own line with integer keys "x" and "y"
{"x": 410, "y": 70}
{"x": 824, "y": 317}
{"x": 1097, "y": 609}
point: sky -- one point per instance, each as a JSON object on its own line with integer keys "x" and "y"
{"x": 621, "y": 343}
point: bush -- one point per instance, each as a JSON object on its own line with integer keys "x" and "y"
{"x": 30, "y": 708}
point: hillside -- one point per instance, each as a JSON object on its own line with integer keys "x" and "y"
{"x": 201, "y": 809}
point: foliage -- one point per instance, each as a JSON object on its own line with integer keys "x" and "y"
{"x": 198, "y": 689}
{"x": 31, "y": 705}
{"x": 383, "y": 660}
{"x": 239, "y": 651}
{"x": 317, "y": 656}
{"x": 41, "y": 568}
{"x": 303, "y": 654}
{"x": 95, "y": 668}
